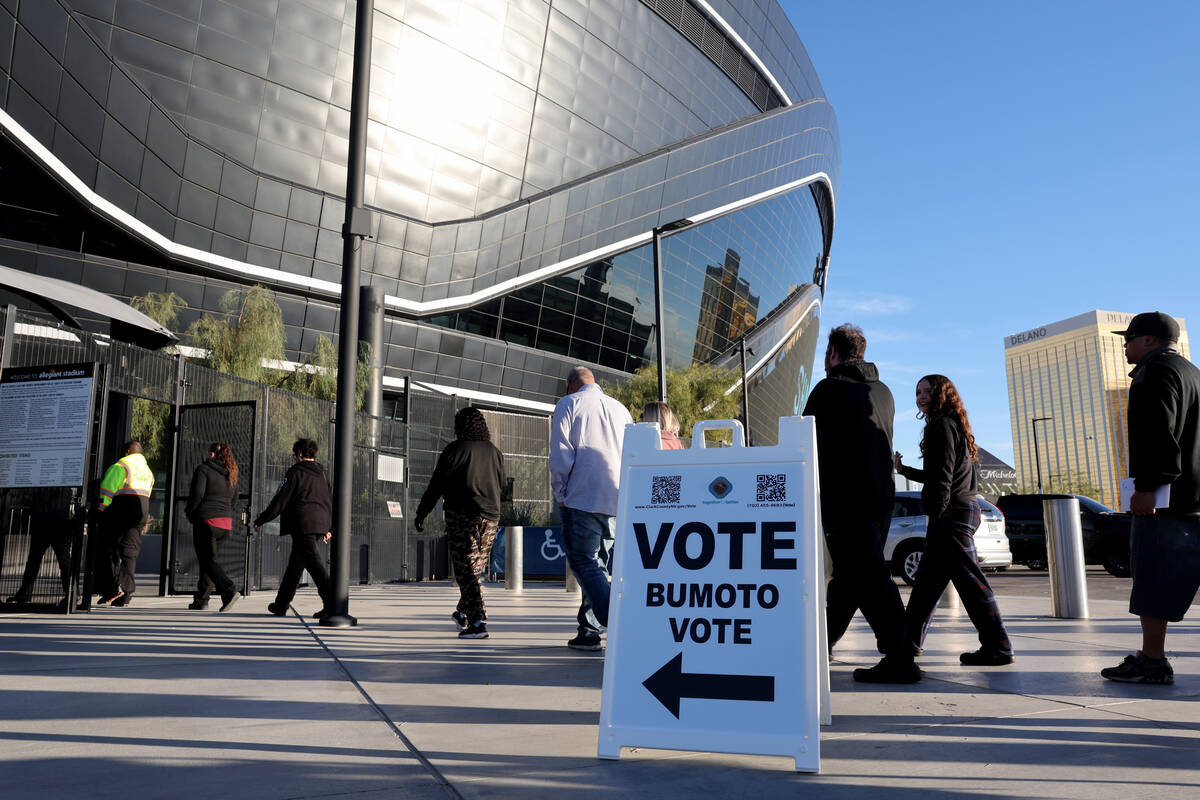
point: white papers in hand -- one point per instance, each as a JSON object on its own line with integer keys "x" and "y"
{"x": 1162, "y": 495}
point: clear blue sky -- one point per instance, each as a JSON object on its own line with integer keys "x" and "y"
{"x": 1005, "y": 165}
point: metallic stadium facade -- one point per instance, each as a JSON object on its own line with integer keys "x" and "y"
{"x": 521, "y": 153}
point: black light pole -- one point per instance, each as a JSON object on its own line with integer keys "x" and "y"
{"x": 355, "y": 229}
{"x": 745, "y": 393}
{"x": 1036, "y": 457}
{"x": 660, "y": 334}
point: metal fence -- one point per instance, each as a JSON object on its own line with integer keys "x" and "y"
{"x": 190, "y": 405}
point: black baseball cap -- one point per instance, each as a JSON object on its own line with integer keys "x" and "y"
{"x": 1152, "y": 323}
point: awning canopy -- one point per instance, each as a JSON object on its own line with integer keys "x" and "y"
{"x": 127, "y": 324}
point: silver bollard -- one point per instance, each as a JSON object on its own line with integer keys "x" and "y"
{"x": 572, "y": 583}
{"x": 950, "y": 600}
{"x": 514, "y": 558}
{"x": 1064, "y": 550}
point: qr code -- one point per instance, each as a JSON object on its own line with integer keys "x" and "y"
{"x": 665, "y": 489}
{"x": 772, "y": 488}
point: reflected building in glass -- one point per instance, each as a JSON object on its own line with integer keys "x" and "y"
{"x": 1070, "y": 380}
{"x": 520, "y": 155}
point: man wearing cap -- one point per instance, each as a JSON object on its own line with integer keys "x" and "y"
{"x": 1164, "y": 450}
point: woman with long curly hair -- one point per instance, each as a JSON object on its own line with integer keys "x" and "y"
{"x": 468, "y": 476}
{"x": 210, "y": 510}
{"x": 949, "y": 488}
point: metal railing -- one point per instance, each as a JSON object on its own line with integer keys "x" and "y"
{"x": 143, "y": 387}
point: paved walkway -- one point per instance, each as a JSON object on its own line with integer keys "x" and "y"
{"x": 157, "y": 701}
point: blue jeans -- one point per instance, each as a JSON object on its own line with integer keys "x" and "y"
{"x": 589, "y": 540}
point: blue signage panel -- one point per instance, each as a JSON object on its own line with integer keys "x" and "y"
{"x": 544, "y": 553}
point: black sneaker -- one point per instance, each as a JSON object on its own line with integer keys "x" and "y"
{"x": 476, "y": 630}
{"x": 584, "y": 642}
{"x": 1136, "y": 668}
{"x": 985, "y": 658}
{"x": 198, "y": 605}
{"x": 278, "y": 609}
{"x": 460, "y": 619}
{"x": 122, "y": 600}
{"x": 228, "y": 601}
{"x": 889, "y": 671}
{"x": 322, "y": 614}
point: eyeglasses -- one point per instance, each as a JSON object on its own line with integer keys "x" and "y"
{"x": 1129, "y": 337}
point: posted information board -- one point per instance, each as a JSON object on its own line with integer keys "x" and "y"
{"x": 715, "y": 619}
{"x": 44, "y": 416}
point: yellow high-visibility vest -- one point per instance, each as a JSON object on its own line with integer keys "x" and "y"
{"x": 130, "y": 475}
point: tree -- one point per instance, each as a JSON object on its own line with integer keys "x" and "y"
{"x": 162, "y": 307}
{"x": 695, "y": 393}
{"x": 316, "y": 376}
{"x": 249, "y": 335}
{"x": 1074, "y": 483}
{"x": 150, "y": 418}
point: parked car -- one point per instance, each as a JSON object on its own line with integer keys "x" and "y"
{"x": 906, "y": 537}
{"x": 1105, "y": 532}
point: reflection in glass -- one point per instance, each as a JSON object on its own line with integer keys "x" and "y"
{"x": 747, "y": 273}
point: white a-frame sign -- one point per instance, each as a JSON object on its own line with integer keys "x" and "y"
{"x": 714, "y": 640}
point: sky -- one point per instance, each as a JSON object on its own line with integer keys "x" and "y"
{"x": 1004, "y": 166}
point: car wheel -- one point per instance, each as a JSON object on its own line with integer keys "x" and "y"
{"x": 1117, "y": 565}
{"x": 906, "y": 560}
{"x": 1037, "y": 564}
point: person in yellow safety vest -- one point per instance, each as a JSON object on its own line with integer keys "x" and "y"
{"x": 125, "y": 507}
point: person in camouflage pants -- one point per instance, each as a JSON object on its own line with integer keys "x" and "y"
{"x": 468, "y": 475}
{"x": 469, "y": 540}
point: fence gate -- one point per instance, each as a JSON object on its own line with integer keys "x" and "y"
{"x": 201, "y": 425}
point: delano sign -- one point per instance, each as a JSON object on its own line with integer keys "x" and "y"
{"x": 715, "y": 624}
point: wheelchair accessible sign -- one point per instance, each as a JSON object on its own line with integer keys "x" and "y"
{"x": 715, "y": 624}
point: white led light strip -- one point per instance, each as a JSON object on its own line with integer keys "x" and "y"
{"x": 412, "y": 307}
{"x": 728, "y": 30}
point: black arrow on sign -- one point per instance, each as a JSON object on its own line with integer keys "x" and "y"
{"x": 671, "y": 683}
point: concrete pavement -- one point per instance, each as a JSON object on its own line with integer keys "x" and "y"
{"x": 158, "y": 701}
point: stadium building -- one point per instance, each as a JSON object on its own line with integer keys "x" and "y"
{"x": 521, "y": 157}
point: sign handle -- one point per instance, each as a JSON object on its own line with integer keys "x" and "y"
{"x": 739, "y": 433}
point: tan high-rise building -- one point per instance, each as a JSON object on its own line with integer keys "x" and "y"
{"x": 1068, "y": 389}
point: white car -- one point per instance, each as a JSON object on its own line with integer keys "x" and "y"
{"x": 906, "y": 537}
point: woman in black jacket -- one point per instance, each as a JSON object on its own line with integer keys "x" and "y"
{"x": 949, "y": 487}
{"x": 468, "y": 475}
{"x": 210, "y": 510}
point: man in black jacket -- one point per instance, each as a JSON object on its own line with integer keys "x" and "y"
{"x": 1164, "y": 450}
{"x": 305, "y": 504}
{"x": 854, "y": 412}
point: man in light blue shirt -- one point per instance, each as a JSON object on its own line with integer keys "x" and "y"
{"x": 585, "y": 462}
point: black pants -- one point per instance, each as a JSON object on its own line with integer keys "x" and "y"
{"x": 207, "y": 541}
{"x": 862, "y": 579}
{"x": 305, "y": 556}
{"x": 121, "y": 527}
{"x": 950, "y": 558}
{"x": 46, "y": 534}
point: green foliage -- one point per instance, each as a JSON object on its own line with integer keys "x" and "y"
{"x": 694, "y": 394}
{"x": 149, "y": 426}
{"x": 1074, "y": 483}
{"x": 251, "y": 332}
{"x": 317, "y": 375}
{"x": 162, "y": 307}
{"x": 528, "y": 515}
{"x": 1067, "y": 483}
